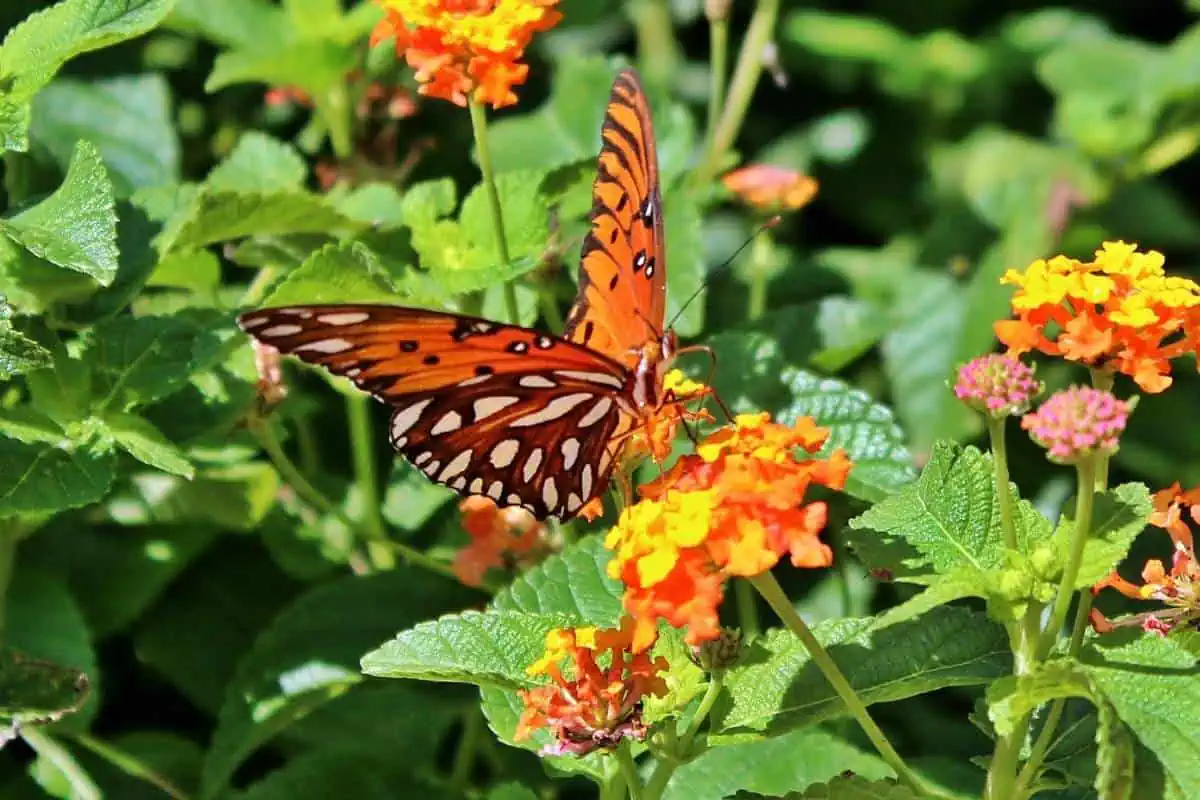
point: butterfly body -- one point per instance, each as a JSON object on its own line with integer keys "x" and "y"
{"x": 522, "y": 417}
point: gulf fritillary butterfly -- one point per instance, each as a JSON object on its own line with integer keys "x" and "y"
{"x": 519, "y": 416}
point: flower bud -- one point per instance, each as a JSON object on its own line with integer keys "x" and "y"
{"x": 719, "y": 653}
{"x": 997, "y": 385}
{"x": 1077, "y": 423}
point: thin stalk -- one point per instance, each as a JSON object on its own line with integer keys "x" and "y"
{"x": 338, "y": 120}
{"x": 549, "y": 306}
{"x": 1085, "y": 495}
{"x": 129, "y": 765}
{"x": 759, "y": 277}
{"x": 10, "y": 535}
{"x": 82, "y": 785}
{"x": 479, "y": 128}
{"x": 468, "y": 748}
{"x": 741, "y": 89}
{"x": 772, "y": 592}
{"x": 1102, "y": 379}
{"x": 718, "y": 39}
{"x": 1000, "y": 462}
{"x": 633, "y": 782}
{"x": 747, "y": 608}
{"x": 362, "y": 445}
{"x": 681, "y": 750}
{"x": 716, "y": 682}
{"x": 1003, "y": 769}
{"x": 315, "y": 498}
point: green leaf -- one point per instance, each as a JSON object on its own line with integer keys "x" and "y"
{"x": 139, "y": 360}
{"x": 309, "y": 655}
{"x": 18, "y": 353}
{"x": 684, "y": 225}
{"x": 1012, "y": 698}
{"x": 776, "y": 687}
{"x": 233, "y": 23}
{"x": 314, "y": 65}
{"x": 76, "y": 227}
{"x": 574, "y": 583}
{"x": 43, "y": 621}
{"x": 919, "y": 355}
{"x": 786, "y": 763}
{"x": 411, "y": 499}
{"x": 136, "y": 436}
{"x": 337, "y": 273}
{"x": 1118, "y": 516}
{"x": 38, "y": 479}
{"x": 526, "y": 215}
{"x": 511, "y": 791}
{"x": 341, "y": 771}
{"x": 940, "y": 589}
{"x": 236, "y": 497}
{"x": 1152, "y": 682}
{"x": 214, "y": 216}
{"x": 34, "y": 691}
{"x": 259, "y": 163}
{"x": 35, "y": 50}
{"x": 486, "y": 649}
{"x": 950, "y": 518}
{"x": 128, "y": 119}
{"x": 857, "y": 787}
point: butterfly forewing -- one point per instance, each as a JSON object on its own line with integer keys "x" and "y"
{"x": 498, "y": 410}
{"x": 623, "y": 272}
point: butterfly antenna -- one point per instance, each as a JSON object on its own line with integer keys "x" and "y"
{"x": 771, "y": 223}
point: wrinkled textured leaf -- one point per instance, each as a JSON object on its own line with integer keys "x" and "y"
{"x": 857, "y": 787}
{"x": 138, "y": 437}
{"x": 259, "y": 163}
{"x": 337, "y": 273}
{"x": 1118, "y": 516}
{"x": 217, "y": 216}
{"x": 44, "y": 478}
{"x": 573, "y": 583}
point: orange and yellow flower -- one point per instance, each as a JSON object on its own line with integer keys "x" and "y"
{"x": 770, "y": 188}
{"x": 598, "y": 682}
{"x": 1179, "y": 587}
{"x": 501, "y": 538}
{"x": 462, "y": 48}
{"x": 732, "y": 509}
{"x": 1119, "y": 312}
{"x": 657, "y": 435}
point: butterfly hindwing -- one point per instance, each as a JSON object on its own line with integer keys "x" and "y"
{"x": 623, "y": 272}
{"x": 478, "y": 405}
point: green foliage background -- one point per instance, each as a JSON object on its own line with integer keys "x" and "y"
{"x": 149, "y": 193}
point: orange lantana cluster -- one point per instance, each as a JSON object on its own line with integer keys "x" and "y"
{"x": 1119, "y": 312}
{"x": 501, "y": 538}
{"x": 1179, "y": 587}
{"x": 466, "y": 47}
{"x": 598, "y": 683}
{"x": 770, "y": 188}
{"x": 732, "y": 509}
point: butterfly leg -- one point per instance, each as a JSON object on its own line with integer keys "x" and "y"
{"x": 712, "y": 371}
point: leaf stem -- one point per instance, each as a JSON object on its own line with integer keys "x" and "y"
{"x": 362, "y": 445}
{"x": 747, "y": 608}
{"x": 773, "y": 593}
{"x": 11, "y": 532}
{"x": 55, "y": 753}
{"x": 479, "y": 128}
{"x": 716, "y": 682}
{"x": 128, "y": 764}
{"x": 717, "y": 12}
{"x": 1085, "y": 496}
{"x": 468, "y": 748}
{"x": 1000, "y": 463}
{"x": 314, "y": 497}
{"x": 633, "y": 781}
{"x": 759, "y": 275}
{"x": 741, "y": 89}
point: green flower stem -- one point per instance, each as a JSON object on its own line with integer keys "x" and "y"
{"x": 1000, "y": 462}
{"x": 11, "y": 533}
{"x": 633, "y": 782}
{"x": 741, "y": 89}
{"x": 772, "y": 592}
{"x": 128, "y": 764}
{"x": 468, "y": 748}
{"x": 337, "y": 113}
{"x": 1102, "y": 379}
{"x": 1002, "y": 771}
{"x": 718, "y": 37}
{"x": 362, "y": 444}
{"x": 747, "y": 608}
{"x": 313, "y": 496}
{"x": 549, "y": 306}
{"x": 683, "y": 748}
{"x": 759, "y": 275}
{"x": 1085, "y": 495}
{"x": 659, "y": 53}
{"x": 49, "y": 748}
{"x": 479, "y": 128}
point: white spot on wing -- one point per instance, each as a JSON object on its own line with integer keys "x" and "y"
{"x": 514, "y": 499}
{"x": 532, "y": 463}
{"x": 281, "y": 330}
{"x": 302, "y": 313}
{"x": 552, "y": 410}
{"x": 421, "y": 458}
{"x": 457, "y": 466}
{"x": 596, "y": 412}
{"x": 431, "y": 467}
{"x": 405, "y": 418}
{"x": 344, "y": 318}
{"x": 458, "y": 483}
{"x": 573, "y": 502}
{"x": 477, "y": 486}
{"x": 478, "y": 379}
{"x": 353, "y": 372}
{"x": 503, "y": 453}
{"x": 249, "y": 323}
{"x": 486, "y": 406}
{"x": 570, "y": 451}
{"x": 550, "y": 495}
{"x": 591, "y": 377}
{"x": 495, "y": 490}
{"x": 585, "y": 480}
{"x": 450, "y": 421}
{"x": 399, "y": 443}
{"x": 328, "y": 346}
{"x": 536, "y": 382}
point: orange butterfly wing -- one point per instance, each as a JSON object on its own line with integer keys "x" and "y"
{"x": 623, "y": 272}
{"x": 497, "y": 410}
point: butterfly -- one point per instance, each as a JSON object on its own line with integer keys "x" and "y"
{"x": 519, "y": 416}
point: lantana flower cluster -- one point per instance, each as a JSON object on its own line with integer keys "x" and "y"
{"x": 734, "y": 508}
{"x": 501, "y": 538}
{"x": 1119, "y": 312}
{"x": 462, "y": 48}
{"x": 1177, "y": 587}
{"x": 598, "y": 682}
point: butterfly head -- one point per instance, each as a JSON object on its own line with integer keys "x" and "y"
{"x": 654, "y": 360}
